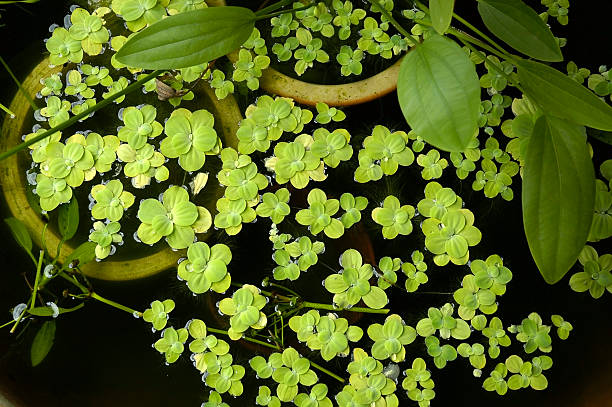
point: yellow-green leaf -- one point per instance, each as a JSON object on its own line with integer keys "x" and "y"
{"x": 441, "y": 14}
{"x": 43, "y": 341}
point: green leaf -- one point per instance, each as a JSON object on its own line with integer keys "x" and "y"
{"x": 68, "y": 219}
{"x": 519, "y": 26}
{"x": 20, "y": 233}
{"x": 561, "y": 96}
{"x": 439, "y": 93}
{"x": 43, "y": 341}
{"x": 85, "y": 253}
{"x": 558, "y": 195}
{"x": 189, "y": 38}
{"x": 441, "y": 14}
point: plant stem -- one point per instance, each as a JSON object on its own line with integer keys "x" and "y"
{"x": 246, "y": 338}
{"x": 6, "y": 324}
{"x": 266, "y": 293}
{"x": 37, "y": 279}
{"x": 79, "y": 116}
{"x": 394, "y": 22}
{"x": 330, "y": 307}
{"x": 478, "y": 32}
{"x": 466, "y": 37}
{"x": 284, "y": 288}
{"x": 278, "y": 13}
{"x": 7, "y": 110}
{"x": 21, "y": 89}
{"x": 273, "y": 7}
{"x": 495, "y": 67}
{"x": 324, "y": 370}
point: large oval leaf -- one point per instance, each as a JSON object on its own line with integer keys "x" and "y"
{"x": 519, "y": 26}
{"x": 68, "y": 219}
{"x": 439, "y": 93}
{"x": 441, "y": 14}
{"x": 558, "y": 195}
{"x": 43, "y": 341}
{"x": 188, "y": 39}
{"x": 559, "y": 95}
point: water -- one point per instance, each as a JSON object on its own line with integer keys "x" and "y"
{"x": 102, "y": 356}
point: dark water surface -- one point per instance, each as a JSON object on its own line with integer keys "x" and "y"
{"x": 103, "y": 357}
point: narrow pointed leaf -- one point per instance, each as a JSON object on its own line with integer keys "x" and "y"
{"x": 189, "y": 38}
{"x": 559, "y": 95}
{"x": 68, "y": 219}
{"x": 20, "y": 233}
{"x": 441, "y": 14}
{"x": 439, "y": 93}
{"x": 43, "y": 341}
{"x": 558, "y": 195}
{"x": 519, "y": 26}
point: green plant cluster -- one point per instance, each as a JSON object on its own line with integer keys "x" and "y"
{"x": 294, "y": 257}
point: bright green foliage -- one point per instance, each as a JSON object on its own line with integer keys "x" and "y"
{"x": 101, "y": 149}
{"x": 374, "y": 40}
{"x": 350, "y": 61}
{"x": 267, "y": 120}
{"x": 274, "y": 205}
{"x": 181, "y": 6}
{"x": 244, "y": 308}
{"x": 139, "y": 14}
{"x": 352, "y": 206}
{"x": 390, "y": 338}
{"x": 533, "y": 334}
{"x": 171, "y": 218}
{"x": 39, "y": 149}
{"x": 491, "y": 112}
{"x": 110, "y": 200}
{"x": 56, "y": 110}
{"x": 221, "y": 86}
{"x": 577, "y": 74}
{"x": 465, "y": 162}
{"x": 491, "y": 274}
{"x": 474, "y": 352}
{"x": 597, "y": 274}
{"x": 221, "y": 374}
{"x": 284, "y": 51}
{"x": 318, "y": 216}
{"x": 369, "y": 168}
{"x": 203, "y": 342}
{"x": 438, "y": 201}
{"x": 140, "y": 125}
{"x": 256, "y": 43}
{"x": 116, "y": 87}
{"x": 417, "y": 376}
{"x": 70, "y": 163}
{"x": 368, "y": 384}
{"x": 387, "y": 268}
{"x": 528, "y": 374}
{"x": 471, "y": 297}
{"x": 311, "y": 51}
{"x": 294, "y": 257}
{"x": 601, "y": 226}
{"x": 104, "y": 234}
{"x": 89, "y": 29}
{"x": 394, "y": 217}
{"x": 493, "y": 152}
{"x": 63, "y": 47}
{"x": 557, "y": 9}
{"x": 80, "y": 106}
{"x": 214, "y": 400}
{"x": 171, "y": 343}
{"x": 494, "y": 79}
{"x": 319, "y": 19}
{"x": 52, "y": 85}
{"x": 449, "y": 238}
{"x": 178, "y": 88}
{"x": 494, "y": 182}
{"x": 333, "y": 147}
{"x": 265, "y": 369}
{"x": 563, "y": 327}
{"x": 206, "y": 268}
{"x": 142, "y": 164}
{"x": 157, "y": 315}
{"x": 497, "y": 380}
{"x": 96, "y": 75}
{"x": 442, "y": 320}
{"x": 52, "y": 192}
{"x": 295, "y": 370}
{"x": 249, "y": 69}
{"x": 283, "y": 25}
{"x": 265, "y": 398}
{"x": 601, "y": 83}
{"x": 388, "y": 149}
{"x": 316, "y": 398}
{"x": 232, "y": 214}
{"x": 190, "y": 137}
{"x": 432, "y": 164}
{"x": 243, "y": 183}
{"x": 192, "y": 73}
{"x": 415, "y": 272}
{"x": 328, "y": 334}
{"x": 345, "y": 17}
{"x": 441, "y": 354}
{"x": 497, "y": 336}
{"x": 352, "y": 283}
{"x": 326, "y": 114}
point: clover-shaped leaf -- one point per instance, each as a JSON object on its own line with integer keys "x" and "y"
{"x": 350, "y": 61}
{"x": 438, "y": 201}
{"x": 140, "y": 125}
{"x": 274, "y": 205}
{"x": 110, "y": 200}
{"x": 432, "y": 164}
{"x": 597, "y": 274}
{"x": 63, "y": 47}
{"x": 171, "y": 343}
{"x": 244, "y": 308}
{"x": 104, "y": 234}
{"x": 352, "y": 206}
{"x": 248, "y": 69}
{"x": 442, "y": 320}
{"x": 394, "y": 217}
{"x": 318, "y": 216}
{"x": 441, "y": 354}
{"x": 332, "y": 147}
{"x": 497, "y": 380}
{"x": 449, "y": 238}
{"x": 265, "y": 398}
{"x": 534, "y": 334}
{"x": 390, "y": 338}
{"x": 206, "y": 268}
{"x": 563, "y": 327}
{"x": 157, "y": 315}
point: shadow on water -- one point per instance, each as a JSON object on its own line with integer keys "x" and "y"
{"x": 103, "y": 357}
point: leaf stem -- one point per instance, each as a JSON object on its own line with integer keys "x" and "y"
{"x": 8, "y": 111}
{"x": 493, "y": 65}
{"x": 482, "y": 35}
{"x": 330, "y": 307}
{"x": 394, "y": 22}
{"x": 79, "y": 116}
{"x": 37, "y": 279}
{"x": 21, "y": 89}
{"x": 284, "y": 288}
{"x": 246, "y": 338}
{"x": 324, "y": 370}
{"x": 278, "y": 13}
{"x": 273, "y": 7}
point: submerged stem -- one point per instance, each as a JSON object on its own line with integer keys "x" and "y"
{"x": 37, "y": 278}
{"x": 330, "y": 307}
